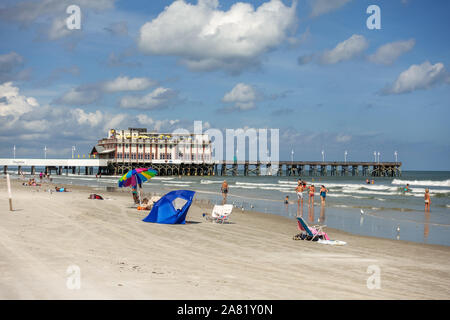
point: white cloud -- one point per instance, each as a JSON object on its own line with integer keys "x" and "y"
{"x": 81, "y": 95}
{"x": 90, "y": 93}
{"x": 345, "y": 50}
{"x": 9, "y": 63}
{"x": 206, "y": 38}
{"x": 115, "y": 121}
{"x": 58, "y": 29}
{"x": 319, "y": 7}
{"x": 92, "y": 118}
{"x": 160, "y": 97}
{"x": 156, "y": 125}
{"x": 343, "y": 138}
{"x": 388, "y": 53}
{"x": 36, "y": 125}
{"x": 31, "y": 126}
{"x": 14, "y": 104}
{"x": 144, "y": 120}
{"x": 127, "y": 84}
{"x": 242, "y": 95}
{"x": 419, "y": 77}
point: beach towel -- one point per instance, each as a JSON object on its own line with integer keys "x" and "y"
{"x": 332, "y": 242}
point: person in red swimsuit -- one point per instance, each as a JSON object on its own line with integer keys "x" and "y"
{"x": 312, "y": 189}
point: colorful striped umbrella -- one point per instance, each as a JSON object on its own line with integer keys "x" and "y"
{"x": 136, "y": 176}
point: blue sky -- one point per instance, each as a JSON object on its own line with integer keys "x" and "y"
{"x": 310, "y": 68}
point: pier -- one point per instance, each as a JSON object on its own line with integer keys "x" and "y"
{"x": 209, "y": 168}
{"x": 308, "y": 168}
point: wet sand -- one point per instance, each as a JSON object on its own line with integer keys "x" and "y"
{"x": 252, "y": 257}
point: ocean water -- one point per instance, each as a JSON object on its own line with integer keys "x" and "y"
{"x": 381, "y": 209}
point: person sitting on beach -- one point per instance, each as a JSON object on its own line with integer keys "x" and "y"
{"x": 286, "y": 200}
{"x": 312, "y": 189}
{"x": 32, "y": 183}
{"x": 323, "y": 193}
{"x": 367, "y": 181}
{"x": 146, "y": 205}
{"x": 427, "y": 200}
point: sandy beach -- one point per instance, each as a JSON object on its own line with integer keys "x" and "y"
{"x": 252, "y": 257}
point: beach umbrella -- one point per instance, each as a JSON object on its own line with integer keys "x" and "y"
{"x": 136, "y": 177}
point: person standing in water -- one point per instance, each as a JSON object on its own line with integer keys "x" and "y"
{"x": 323, "y": 193}
{"x": 312, "y": 189}
{"x": 224, "y": 190}
{"x": 406, "y": 189}
{"x": 299, "y": 191}
{"x": 427, "y": 200}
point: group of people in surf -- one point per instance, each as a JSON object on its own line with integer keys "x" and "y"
{"x": 310, "y": 190}
{"x": 426, "y": 196}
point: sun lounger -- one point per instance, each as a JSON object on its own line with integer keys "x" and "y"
{"x": 220, "y": 213}
{"x": 313, "y": 233}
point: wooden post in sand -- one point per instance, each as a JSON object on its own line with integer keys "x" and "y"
{"x": 9, "y": 192}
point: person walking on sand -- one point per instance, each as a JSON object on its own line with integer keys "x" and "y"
{"x": 427, "y": 200}
{"x": 312, "y": 189}
{"x": 134, "y": 193}
{"x": 323, "y": 193}
{"x": 224, "y": 190}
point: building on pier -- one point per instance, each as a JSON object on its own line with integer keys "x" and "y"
{"x": 168, "y": 153}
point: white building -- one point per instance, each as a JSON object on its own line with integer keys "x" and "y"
{"x": 137, "y": 146}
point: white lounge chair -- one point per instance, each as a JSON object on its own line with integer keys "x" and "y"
{"x": 220, "y": 213}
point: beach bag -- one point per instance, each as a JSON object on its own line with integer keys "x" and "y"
{"x": 300, "y": 236}
{"x": 95, "y": 196}
{"x": 304, "y": 236}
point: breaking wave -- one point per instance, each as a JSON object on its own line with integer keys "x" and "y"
{"x": 442, "y": 183}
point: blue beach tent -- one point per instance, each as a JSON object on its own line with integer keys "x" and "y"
{"x": 171, "y": 208}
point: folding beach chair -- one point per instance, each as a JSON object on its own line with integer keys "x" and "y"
{"x": 220, "y": 213}
{"x": 226, "y": 212}
{"x": 313, "y": 233}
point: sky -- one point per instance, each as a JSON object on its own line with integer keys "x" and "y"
{"x": 310, "y": 68}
